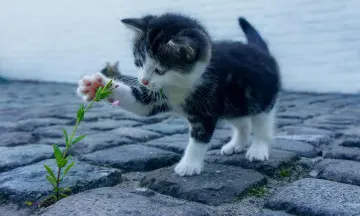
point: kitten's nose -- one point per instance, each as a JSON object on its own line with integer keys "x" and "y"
{"x": 145, "y": 82}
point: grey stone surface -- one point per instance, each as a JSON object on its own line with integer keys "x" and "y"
{"x": 109, "y": 124}
{"x": 56, "y": 131}
{"x": 135, "y": 134}
{"x": 167, "y": 128}
{"x": 317, "y": 197}
{"x": 281, "y": 122}
{"x": 116, "y": 201}
{"x": 277, "y": 160}
{"x": 332, "y": 122}
{"x": 178, "y": 142}
{"x": 132, "y": 158}
{"x": 16, "y": 138}
{"x": 341, "y": 152}
{"x": 217, "y": 184}
{"x": 29, "y": 182}
{"x": 343, "y": 171}
{"x": 300, "y": 148}
{"x": 99, "y": 141}
{"x": 310, "y": 135}
{"x": 268, "y": 212}
{"x": 12, "y": 157}
{"x": 32, "y": 124}
{"x": 14, "y": 210}
{"x": 309, "y": 126}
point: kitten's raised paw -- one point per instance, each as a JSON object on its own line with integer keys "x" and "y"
{"x": 258, "y": 152}
{"x": 188, "y": 168}
{"x": 232, "y": 148}
{"x": 88, "y": 85}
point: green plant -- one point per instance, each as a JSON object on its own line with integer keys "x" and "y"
{"x": 285, "y": 172}
{"x": 258, "y": 191}
{"x": 62, "y": 158}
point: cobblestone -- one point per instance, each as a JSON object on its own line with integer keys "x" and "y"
{"x": 277, "y": 160}
{"x": 217, "y": 183}
{"x": 318, "y": 135}
{"x": 116, "y": 201}
{"x": 29, "y": 182}
{"x": 132, "y": 158}
{"x": 317, "y": 197}
{"x": 343, "y": 171}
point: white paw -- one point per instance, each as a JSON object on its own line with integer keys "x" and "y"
{"x": 232, "y": 148}
{"x": 88, "y": 85}
{"x": 188, "y": 168}
{"x": 259, "y": 152}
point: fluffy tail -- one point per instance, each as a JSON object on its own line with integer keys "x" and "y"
{"x": 253, "y": 37}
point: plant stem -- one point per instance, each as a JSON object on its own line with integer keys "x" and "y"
{"x": 58, "y": 184}
{"x": 67, "y": 148}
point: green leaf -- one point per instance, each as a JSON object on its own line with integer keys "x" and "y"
{"x": 58, "y": 155}
{"x": 108, "y": 85}
{"x": 98, "y": 92}
{"x": 51, "y": 180}
{"x": 66, "y": 136}
{"x": 104, "y": 95}
{"x": 50, "y": 171}
{"x": 64, "y": 163}
{"x": 62, "y": 195}
{"x": 78, "y": 139}
{"x": 80, "y": 113}
{"x": 68, "y": 168}
{"x": 28, "y": 203}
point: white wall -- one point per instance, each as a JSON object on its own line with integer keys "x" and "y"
{"x": 316, "y": 41}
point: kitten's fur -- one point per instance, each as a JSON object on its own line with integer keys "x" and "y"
{"x": 203, "y": 80}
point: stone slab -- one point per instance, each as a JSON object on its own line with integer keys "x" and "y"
{"x": 32, "y": 124}
{"x": 167, "y": 128}
{"x": 132, "y": 158}
{"x": 17, "y": 138}
{"x": 277, "y": 160}
{"x": 341, "y": 152}
{"x": 28, "y": 183}
{"x": 117, "y": 201}
{"x": 135, "y": 134}
{"x": 300, "y": 148}
{"x": 178, "y": 142}
{"x": 343, "y": 171}
{"x": 317, "y": 197}
{"x": 13, "y": 157}
{"x": 314, "y": 136}
{"x": 216, "y": 184}
{"x": 109, "y": 124}
{"x": 99, "y": 141}
{"x": 268, "y": 212}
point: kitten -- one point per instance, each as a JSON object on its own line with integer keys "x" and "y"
{"x": 181, "y": 69}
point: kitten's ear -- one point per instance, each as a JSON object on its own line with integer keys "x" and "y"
{"x": 136, "y": 24}
{"x": 183, "y": 47}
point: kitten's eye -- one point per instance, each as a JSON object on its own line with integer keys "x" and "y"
{"x": 159, "y": 72}
{"x": 138, "y": 63}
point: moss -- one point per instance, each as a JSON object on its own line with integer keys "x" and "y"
{"x": 258, "y": 191}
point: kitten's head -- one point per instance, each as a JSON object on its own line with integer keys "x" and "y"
{"x": 169, "y": 50}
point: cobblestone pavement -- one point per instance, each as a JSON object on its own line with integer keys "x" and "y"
{"x": 125, "y": 164}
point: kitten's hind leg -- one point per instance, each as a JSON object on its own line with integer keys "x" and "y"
{"x": 263, "y": 132}
{"x": 240, "y": 138}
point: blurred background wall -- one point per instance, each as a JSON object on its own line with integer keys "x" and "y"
{"x": 316, "y": 42}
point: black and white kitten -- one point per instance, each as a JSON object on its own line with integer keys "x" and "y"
{"x": 205, "y": 81}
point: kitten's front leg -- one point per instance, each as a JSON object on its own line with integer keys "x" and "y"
{"x": 192, "y": 161}
{"x": 133, "y": 98}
